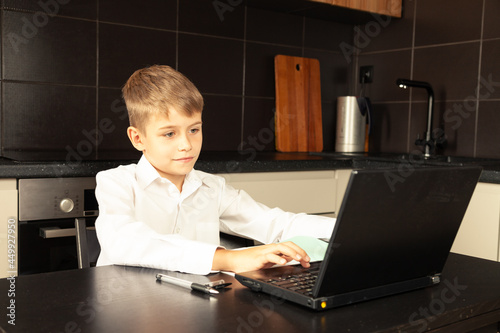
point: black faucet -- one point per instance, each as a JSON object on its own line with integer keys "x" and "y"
{"x": 429, "y": 142}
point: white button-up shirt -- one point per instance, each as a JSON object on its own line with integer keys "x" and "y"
{"x": 145, "y": 221}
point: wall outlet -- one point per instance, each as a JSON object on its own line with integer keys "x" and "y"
{"x": 366, "y": 74}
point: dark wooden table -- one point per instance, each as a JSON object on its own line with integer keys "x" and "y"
{"x": 128, "y": 299}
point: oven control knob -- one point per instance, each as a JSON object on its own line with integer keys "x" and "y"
{"x": 66, "y": 205}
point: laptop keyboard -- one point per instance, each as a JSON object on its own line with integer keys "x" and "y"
{"x": 302, "y": 282}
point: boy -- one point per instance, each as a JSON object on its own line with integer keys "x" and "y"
{"x": 161, "y": 213}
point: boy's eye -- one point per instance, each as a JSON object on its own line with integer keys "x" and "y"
{"x": 194, "y": 130}
{"x": 169, "y": 134}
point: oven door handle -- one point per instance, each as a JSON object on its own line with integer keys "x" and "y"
{"x": 56, "y": 232}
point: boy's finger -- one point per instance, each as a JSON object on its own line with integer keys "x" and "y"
{"x": 292, "y": 250}
{"x": 305, "y": 264}
{"x": 276, "y": 259}
{"x": 297, "y": 252}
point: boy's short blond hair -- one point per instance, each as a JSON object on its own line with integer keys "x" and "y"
{"x": 157, "y": 89}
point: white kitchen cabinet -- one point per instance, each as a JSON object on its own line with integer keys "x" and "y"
{"x": 8, "y": 227}
{"x": 342, "y": 177}
{"x": 312, "y": 192}
{"x": 480, "y": 230}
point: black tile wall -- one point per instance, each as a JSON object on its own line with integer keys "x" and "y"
{"x": 258, "y": 133}
{"x": 389, "y": 132}
{"x": 210, "y": 18}
{"x": 387, "y": 33}
{"x": 491, "y": 22}
{"x": 417, "y": 123}
{"x": 453, "y": 45}
{"x": 146, "y": 13}
{"x": 489, "y": 83}
{"x": 222, "y": 118}
{"x": 124, "y": 49}
{"x": 388, "y": 67}
{"x": 74, "y": 8}
{"x": 65, "y": 74}
{"x": 35, "y": 114}
{"x": 447, "y": 21}
{"x": 215, "y": 65}
{"x": 277, "y": 28}
{"x": 489, "y": 136}
{"x": 326, "y": 35}
{"x": 451, "y": 69}
{"x": 62, "y": 51}
{"x": 112, "y": 123}
{"x": 329, "y": 122}
{"x": 458, "y": 120}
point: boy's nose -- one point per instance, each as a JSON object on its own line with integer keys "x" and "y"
{"x": 184, "y": 144}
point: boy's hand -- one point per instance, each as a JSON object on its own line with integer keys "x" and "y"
{"x": 258, "y": 257}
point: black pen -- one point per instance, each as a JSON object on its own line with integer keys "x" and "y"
{"x": 186, "y": 284}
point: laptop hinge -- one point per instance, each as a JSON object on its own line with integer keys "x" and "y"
{"x": 436, "y": 279}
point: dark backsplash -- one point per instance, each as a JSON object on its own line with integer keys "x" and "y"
{"x": 453, "y": 45}
{"x": 62, "y": 74}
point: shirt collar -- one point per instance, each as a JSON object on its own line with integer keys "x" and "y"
{"x": 146, "y": 174}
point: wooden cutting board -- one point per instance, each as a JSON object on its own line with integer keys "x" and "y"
{"x": 298, "y": 121}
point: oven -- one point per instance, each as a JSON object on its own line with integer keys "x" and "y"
{"x": 48, "y": 208}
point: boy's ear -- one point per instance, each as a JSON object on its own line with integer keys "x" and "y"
{"x": 135, "y": 137}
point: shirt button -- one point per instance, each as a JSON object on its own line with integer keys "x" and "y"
{"x": 177, "y": 230}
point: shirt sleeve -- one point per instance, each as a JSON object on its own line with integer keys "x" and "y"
{"x": 126, "y": 241}
{"x": 241, "y": 215}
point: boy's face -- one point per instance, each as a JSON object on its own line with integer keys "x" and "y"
{"x": 171, "y": 144}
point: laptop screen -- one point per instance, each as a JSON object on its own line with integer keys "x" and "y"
{"x": 395, "y": 227}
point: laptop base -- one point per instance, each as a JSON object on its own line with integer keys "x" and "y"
{"x": 255, "y": 280}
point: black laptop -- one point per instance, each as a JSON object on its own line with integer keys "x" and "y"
{"x": 393, "y": 234}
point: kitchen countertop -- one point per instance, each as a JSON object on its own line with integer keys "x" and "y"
{"x": 238, "y": 162}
